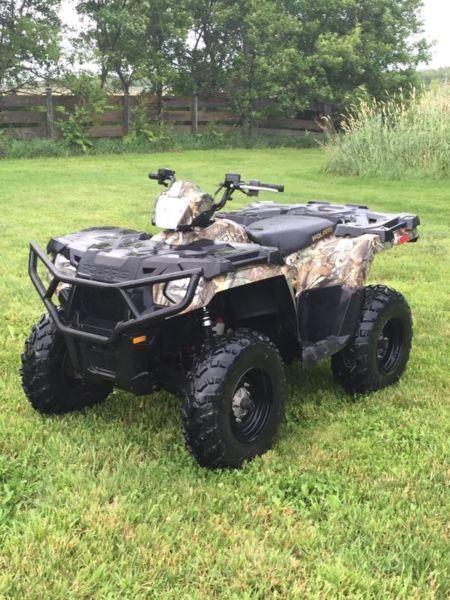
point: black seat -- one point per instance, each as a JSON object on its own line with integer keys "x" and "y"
{"x": 289, "y": 233}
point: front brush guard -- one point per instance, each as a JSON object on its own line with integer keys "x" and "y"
{"x": 139, "y": 318}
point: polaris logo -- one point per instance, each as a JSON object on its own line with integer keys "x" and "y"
{"x": 321, "y": 234}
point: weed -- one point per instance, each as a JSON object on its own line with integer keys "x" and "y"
{"x": 406, "y": 136}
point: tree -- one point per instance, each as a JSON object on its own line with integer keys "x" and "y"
{"x": 432, "y": 77}
{"x": 271, "y": 56}
{"x": 165, "y": 31}
{"x": 290, "y": 53}
{"x": 349, "y": 45}
{"x": 262, "y": 60}
{"x": 29, "y": 41}
{"x": 115, "y": 29}
{"x": 204, "y": 58}
{"x": 137, "y": 40}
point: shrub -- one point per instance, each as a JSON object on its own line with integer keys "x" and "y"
{"x": 2, "y": 143}
{"x": 170, "y": 139}
{"x": 91, "y": 103}
{"x": 402, "y": 137}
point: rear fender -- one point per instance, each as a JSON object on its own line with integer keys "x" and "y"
{"x": 333, "y": 261}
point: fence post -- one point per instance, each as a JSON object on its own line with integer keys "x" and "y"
{"x": 126, "y": 113}
{"x": 194, "y": 113}
{"x": 50, "y": 121}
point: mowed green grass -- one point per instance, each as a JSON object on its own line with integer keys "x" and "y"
{"x": 353, "y": 501}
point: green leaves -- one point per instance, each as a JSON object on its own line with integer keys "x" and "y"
{"x": 135, "y": 40}
{"x": 276, "y": 57}
{"x": 29, "y": 41}
{"x": 91, "y": 103}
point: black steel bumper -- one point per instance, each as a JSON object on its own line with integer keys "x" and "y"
{"x": 138, "y": 318}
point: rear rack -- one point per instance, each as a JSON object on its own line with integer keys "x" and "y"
{"x": 139, "y": 318}
{"x": 350, "y": 220}
{"x": 354, "y": 220}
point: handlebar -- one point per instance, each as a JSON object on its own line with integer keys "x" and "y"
{"x": 231, "y": 183}
{"x": 258, "y": 185}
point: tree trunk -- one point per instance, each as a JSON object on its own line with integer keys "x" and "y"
{"x": 50, "y": 118}
{"x": 249, "y": 126}
{"x": 194, "y": 113}
{"x": 103, "y": 76}
{"x": 126, "y": 113}
{"x": 159, "y": 101}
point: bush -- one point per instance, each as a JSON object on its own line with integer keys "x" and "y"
{"x": 159, "y": 141}
{"x": 91, "y": 103}
{"x": 402, "y": 137}
{"x": 34, "y": 148}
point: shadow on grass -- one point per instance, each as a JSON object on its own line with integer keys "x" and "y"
{"x": 142, "y": 418}
{"x": 150, "y": 425}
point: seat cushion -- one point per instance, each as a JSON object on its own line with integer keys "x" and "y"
{"x": 289, "y": 233}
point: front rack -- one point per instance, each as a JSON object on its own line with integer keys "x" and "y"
{"x": 138, "y": 319}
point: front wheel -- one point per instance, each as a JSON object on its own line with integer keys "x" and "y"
{"x": 48, "y": 378}
{"x": 234, "y": 400}
{"x": 378, "y": 351}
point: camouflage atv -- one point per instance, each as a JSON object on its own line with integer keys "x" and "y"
{"x": 212, "y": 306}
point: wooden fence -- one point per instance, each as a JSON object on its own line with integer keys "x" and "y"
{"x": 30, "y": 116}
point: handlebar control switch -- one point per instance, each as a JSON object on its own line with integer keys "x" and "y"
{"x": 232, "y": 179}
{"x": 162, "y": 176}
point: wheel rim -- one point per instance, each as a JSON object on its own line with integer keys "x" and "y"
{"x": 251, "y": 404}
{"x": 389, "y": 346}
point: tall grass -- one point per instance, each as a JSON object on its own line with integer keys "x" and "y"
{"x": 402, "y": 137}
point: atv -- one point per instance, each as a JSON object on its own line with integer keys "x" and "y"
{"x": 212, "y": 306}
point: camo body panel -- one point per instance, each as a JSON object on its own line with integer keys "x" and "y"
{"x": 207, "y": 289}
{"x": 221, "y": 230}
{"x": 330, "y": 261}
{"x": 333, "y": 261}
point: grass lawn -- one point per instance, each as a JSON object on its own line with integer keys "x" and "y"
{"x": 352, "y": 501}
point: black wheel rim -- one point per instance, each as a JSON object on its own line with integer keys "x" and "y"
{"x": 389, "y": 346}
{"x": 250, "y": 405}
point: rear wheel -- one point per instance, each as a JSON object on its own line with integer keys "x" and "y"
{"x": 378, "y": 351}
{"x": 48, "y": 378}
{"x": 235, "y": 399}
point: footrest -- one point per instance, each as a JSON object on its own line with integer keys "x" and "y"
{"x": 313, "y": 353}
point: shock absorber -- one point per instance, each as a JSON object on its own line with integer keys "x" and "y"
{"x": 206, "y": 318}
{"x": 216, "y": 327}
{"x": 207, "y": 323}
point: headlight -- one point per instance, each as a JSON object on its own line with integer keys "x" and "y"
{"x": 175, "y": 290}
{"x": 63, "y": 265}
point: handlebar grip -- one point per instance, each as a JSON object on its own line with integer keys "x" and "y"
{"x": 273, "y": 186}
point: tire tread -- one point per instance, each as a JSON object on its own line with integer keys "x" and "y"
{"x": 350, "y": 366}
{"x": 199, "y": 413}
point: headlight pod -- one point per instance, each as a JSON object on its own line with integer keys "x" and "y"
{"x": 63, "y": 264}
{"x": 176, "y": 290}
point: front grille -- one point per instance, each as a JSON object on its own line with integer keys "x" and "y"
{"x": 94, "y": 303}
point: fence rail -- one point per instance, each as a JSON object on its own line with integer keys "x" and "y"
{"x": 37, "y": 115}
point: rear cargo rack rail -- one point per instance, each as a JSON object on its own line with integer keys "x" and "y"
{"x": 139, "y": 319}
